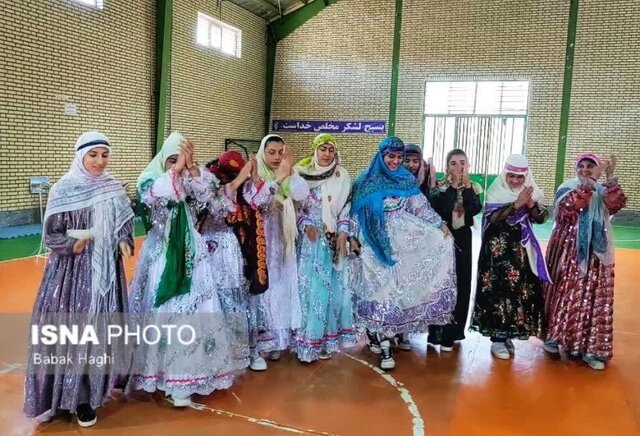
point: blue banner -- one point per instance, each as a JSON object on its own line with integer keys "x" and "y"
{"x": 361, "y": 127}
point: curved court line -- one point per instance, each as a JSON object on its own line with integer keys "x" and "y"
{"x": 258, "y": 421}
{"x": 418, "y": 422}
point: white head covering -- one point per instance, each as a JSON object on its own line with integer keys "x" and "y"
{"x": 155, "y": 169}
{"x": 110, "y": 207}
{"x": 501, "y": 193}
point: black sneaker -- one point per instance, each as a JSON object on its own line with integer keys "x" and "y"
{"x": 387, "y": 362}
{"x": 373, "y": 342}
{"x": 86, "y": 415}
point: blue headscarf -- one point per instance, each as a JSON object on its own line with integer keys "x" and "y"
{"x": 370, "y": 189}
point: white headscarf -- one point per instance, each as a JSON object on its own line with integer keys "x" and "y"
{"x": 111, "y": 210}
{"x": 501, "y": 193}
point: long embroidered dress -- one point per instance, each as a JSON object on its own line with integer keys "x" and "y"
{"x": 579, "y": 302}
{"x": 225, "y": 260}
{"x": 509, "y": 300}
{"x": 217, "y": 356}
{"x": 66, "y": 294}
{"x": 420, "y": 289}
{"x": 275, "y": 314}
{"x": 327, "y": 313}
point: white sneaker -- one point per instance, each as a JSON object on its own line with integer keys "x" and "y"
{"x": 594, "y": 363}
{"x": 446, "y": 349}
{"x": 258, "y": 364}
{"x": 181, "y": 402}
{"x": 499, "y": 350}
{"x": 403, "y": 343}
{"x": 324, "y": 355}
{"x": 387, "y": 361}
{"x": 551, "y": 347}
{"x": 510, "y": 347}
{"x": 274, "y": 355}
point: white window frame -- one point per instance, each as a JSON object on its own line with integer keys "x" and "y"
{"x": 93, "y": 4}
{"x": 205, "y": 28}
{"x": 457, "y": 118}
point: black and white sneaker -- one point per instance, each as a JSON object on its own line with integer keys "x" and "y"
{"x": 386, "y": 356}
{"x": 373, "y": 342}
{"x": 86, "y": 415}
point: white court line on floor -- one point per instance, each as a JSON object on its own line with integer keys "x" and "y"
{"x": 418, "y": 422}
{"x": 10, "y": 367}
{"x": 258, "y": 421}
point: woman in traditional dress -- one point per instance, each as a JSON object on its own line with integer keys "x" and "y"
{"x": 323, "y": 220}
{"x": 457, "y": 202}
{"x": 275, "y": 315}
{"x": 88, "y": 226}
{"x": 580, "y": 255}
{"x": 405, "y": 280}
{"x": 511, "y": 267}
{"x": 175, "y": 285}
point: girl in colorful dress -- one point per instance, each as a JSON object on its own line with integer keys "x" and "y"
{"x": 580, "y": 256}
{"x": 457, "y": 202}
{"x": 511, "y": 267}
{"x": 273, "y": 187}
{"x": 174, "y": 284}
{"x": 405, "y": 280}
{"x": 327, "y": 320}
{"x": 88, "y": 226}
{"x": 241, "y": 259}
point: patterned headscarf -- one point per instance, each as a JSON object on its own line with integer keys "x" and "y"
{"x": 371, "y": 188}
{"x": 111, "y": 210}
{"x": 594, "y": 226}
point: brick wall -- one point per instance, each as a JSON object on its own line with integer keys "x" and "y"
{"x": 492, "y": 39}
{"x": 215, "y": 96}
{"x": 605, "y": 98}
{"x": 57, "y": 51}
{"x": 345, "y": 71}
{"x": 337, "y": 66}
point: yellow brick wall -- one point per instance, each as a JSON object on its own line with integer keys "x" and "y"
{"x": 337, "y": 66}
{"x": 215, "y": 96}
{"x": 56, "y": 51}
{"x": 605, "y": 99}
{"x": 492, "y": 39}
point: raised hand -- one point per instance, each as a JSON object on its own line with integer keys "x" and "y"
{"x": 610, "y": 167}
{"x": 180, "y": 163}
{"x": 466, "y": 181}
{"x": 312, "y": 233}
{"x": 523, "y": 197}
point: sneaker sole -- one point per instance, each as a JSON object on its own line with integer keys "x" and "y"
{"x": 181, "y": 403}
{"x": 387, "y": 367}
{"x": 501, "y": 356}
{"x": 86, "y": 424}
{"x": 446, "y": 349}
